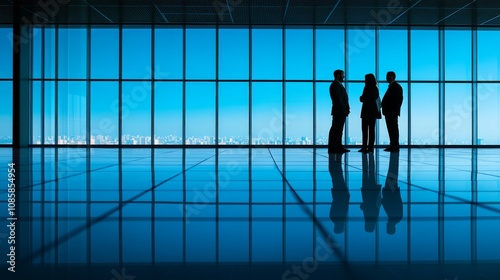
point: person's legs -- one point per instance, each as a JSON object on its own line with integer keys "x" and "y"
{"x": 331, "y": 138}
{"x": 364, "y": 132}
{"x": 393, "y": 130}
{"x": 371, "y": 133}
{"x": 340, "y": 132}
{"x": 335, "y": 135}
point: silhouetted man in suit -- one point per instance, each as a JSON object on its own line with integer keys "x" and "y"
{"x": 340, "y": 194}
{"x": 391, "y": 195}
{"x": 340, "y": 110}
{"x": 391, "y": 108}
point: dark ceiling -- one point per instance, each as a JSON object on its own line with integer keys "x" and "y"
{"x": 259, "y": 12}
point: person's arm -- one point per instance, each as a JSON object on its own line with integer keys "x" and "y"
{"x": 333, "y": 92}
{"x": 345, "y": 102}
{"x": 363, "y": 95}
{"x": 335, "y": 97}
{"x": 400, "y": 96}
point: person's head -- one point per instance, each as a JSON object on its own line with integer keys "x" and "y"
{"x": 370, "y": 80}
{"x": 391, "y": 76}
{"x": 338, "y": 75}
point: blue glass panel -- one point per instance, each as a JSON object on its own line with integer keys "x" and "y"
{"x": 72, "y": 53}
{"x": 136, "y": 53}
{"x": 299, "y": 54}
{"x": 168, "y": 113}
{"x": 267, "y": 54}
{"x": 169, "y": 52}
{"x": 330, "y": 46}
{"x": 200, "y": 57}
{"x": 233, "y": 53}
{"x": 104, "y": 60}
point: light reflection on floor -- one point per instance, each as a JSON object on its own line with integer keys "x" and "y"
{"x": 182, "y": 213}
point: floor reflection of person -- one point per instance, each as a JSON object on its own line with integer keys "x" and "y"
{"x": 391, "y": 195}
{"x": 370, "y": 193}
{"x": 340, "y": 194}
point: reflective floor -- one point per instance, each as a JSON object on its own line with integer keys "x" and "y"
{"x": 253, "y": 214}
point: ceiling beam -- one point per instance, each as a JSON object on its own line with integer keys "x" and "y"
{"x": 99, "y": 12}
{"x": 491, "y": 19}
{"x": 392, "y": 21}
{"x": 454, "y": 12}
{"x": 331, "y": 12}
{"x": 286, "y": 10}
{"x": 229, "y": 10}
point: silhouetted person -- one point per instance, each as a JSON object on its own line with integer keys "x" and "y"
{"x": 370, "y": 192}
{"x": 391, "y": 195}
{"x": 340, "y": 194}
{"x": 369, "y": 113}
{"x": 340, "y": 110}
{"x": 391, "y": 108}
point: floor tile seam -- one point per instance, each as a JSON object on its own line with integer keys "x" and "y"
{"x": 79, "y": 173}
{"x": 336, "y": 250}
{"x": 60, "y": 240}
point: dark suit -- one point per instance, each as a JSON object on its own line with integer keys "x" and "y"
{"x": 340, "y": 110}
{"x": 369, "y": 113}
{"x": 391, "y": 108}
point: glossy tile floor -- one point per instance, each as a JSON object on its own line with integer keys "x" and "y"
{"x": 253, "y": 214}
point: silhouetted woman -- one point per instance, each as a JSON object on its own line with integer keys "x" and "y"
{"x": 369, "y": 113}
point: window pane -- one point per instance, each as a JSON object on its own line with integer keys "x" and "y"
{"x": 233, "y": 53}
{"x": 458, "y": 112}
{"x": 425, "y": 114}
{"x": 329, "y": 52}
{"x": 298, "y": 52}
{"x": 136, "y": 113}
{"x": 487, "y": 55}
{"x": 6, "y": 53}
{"x": 424, "y": 57}
{"x": 233, "y": 113}
{"x": 104, "y": 113}
{"x": 72, "y": 53}
{"x": 49, "y": 112}
{"x": 200, "y": 53}
{"x": 37, "y": 53}
{"x": 200, "y": 113}
{"x": 299, "y": 114}
{"x": 169, "y": 51}
{"x": 136, "y": 54}
{"x": 50, "y": 53}
{"x": 267, "y": 113}
{"x": 402, "y": 120}
{"x": 393, "y": 53}
{"x": 168, "y": 113}
{"x": 360, "y": 53}
{"x": 267, "y": 56}
{"x": 37, "y": 113}
{"x": 323, "y": 113}
{"x": 353, "y": 121}
{"x": 6, "y": 112}
{"x": 458, "y": 54}
{"x": 72, "y": 100}
{"x": 104, "y": 60}
{"x": 488, "y": 104}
